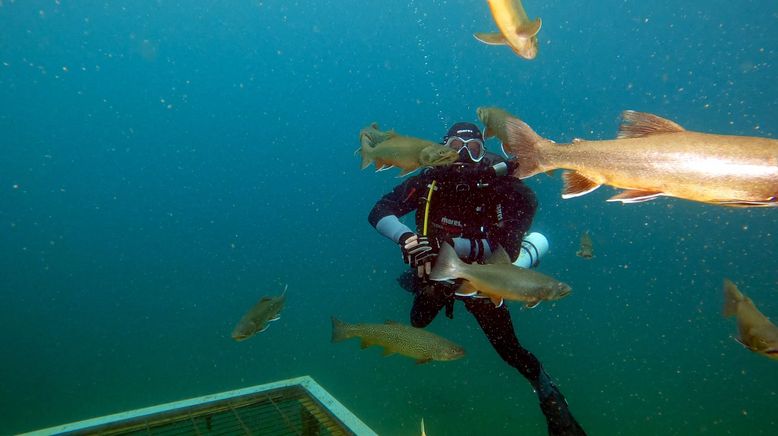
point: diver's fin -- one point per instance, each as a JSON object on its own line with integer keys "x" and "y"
{"x": 640, "y": 124}
{"x": 530, "y": 29}
{"x": 495, "y": 38}
{"x": 576, "y": 185}
{"x": 636, "y": 196}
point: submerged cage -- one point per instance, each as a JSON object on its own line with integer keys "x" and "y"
{"x": 297, "y": 406}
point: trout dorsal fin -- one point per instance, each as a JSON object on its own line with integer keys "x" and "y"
{"x": 641, "y": 124}
{"x": 499, "y": 256}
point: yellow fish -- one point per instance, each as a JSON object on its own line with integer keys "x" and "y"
{"x": 388, "y": 149}
{"x": 517, "y": 31}
{"x": 654, "y": 157}
{"x": 757, "y": 333}
{"x": 258, "y": 319}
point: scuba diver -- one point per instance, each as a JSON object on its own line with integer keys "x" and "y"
{"x": 472, "y": 205}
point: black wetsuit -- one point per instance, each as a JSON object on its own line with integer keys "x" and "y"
{"x": 469, "y": 202}
{"x": 476, "y": 206}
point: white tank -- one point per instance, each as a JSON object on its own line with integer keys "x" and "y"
{"x": 533, "y": 247}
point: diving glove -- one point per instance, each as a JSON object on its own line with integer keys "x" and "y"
{"x": 419, "y": 252}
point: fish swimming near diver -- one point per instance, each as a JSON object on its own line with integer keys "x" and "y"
{"x": 756, "y": 332}
{"x": 260, "y": 316}
{"x": 389, "y": 149}
{"x": 498, "y": 278}
{"x": 416, "y": 343}
{"x": 586, "y": 250}
{"x": 654, "y": 157}
{"x": 517, "y": 31}
{"x": 493, "y": 119}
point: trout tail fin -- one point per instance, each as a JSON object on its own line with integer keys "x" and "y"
{"x": 339, "y": 331}
{"x": 523, "y": 143}
{"x": 732, "y": 296}
{"x": 447, "y": 265}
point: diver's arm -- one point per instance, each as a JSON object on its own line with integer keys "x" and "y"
{"x": 385, "y": 214}
{"x": 517, "y": 204}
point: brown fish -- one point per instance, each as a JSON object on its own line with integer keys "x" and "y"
{"x": 756, "y": 331}
{"x": 388, "y": 149}
{"x": 654, "y": 157}
{"x": 498, "y": 278}
{"x": 517, "y": 31}
{"x": 416, "y": 343}
{"x": 586, "y": 251}
{"x": 258, "y": 319}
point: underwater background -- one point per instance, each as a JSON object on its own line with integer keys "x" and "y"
{"x": 164, "y": 164}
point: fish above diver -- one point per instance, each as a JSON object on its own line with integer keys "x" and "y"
{"x": 416, "y": 343}
{"x": 493, "y": 119}
{"x": 517, "y": 31}
{"x": 389, "y": 149}
{"x": 498, "y": 278}
{"x": 586, "y": 250}
{"x": 258, "y": 319}
{"x": 654, "y": 157}
{"x": 756, "y": 332}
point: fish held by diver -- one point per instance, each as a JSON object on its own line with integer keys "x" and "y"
{"x": 756, "y": 332}
{"x": 258, "y": 319}
{"x": 498, "y": 278}
{"x": 586, "y": 250}
{"x": 389, "y": 149}
{"x": 517, "y": 31}
{"x": 654, "y": 157}
{"x": 416, "y": 343}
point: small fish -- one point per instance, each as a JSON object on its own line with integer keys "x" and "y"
{"x": 416, "y": 343}
{"x": 654, "y": 157}
{"x": 756, "y": 331}
{"x": 388, "y": 149}
{"x": 258, "y": 319}
{"x": 371, "y": 135}
{"x": 516, "y": 29}
{"x": 586, "y": 251}
{"x": 493, "y": 119}
{"x": 498, "y": 278}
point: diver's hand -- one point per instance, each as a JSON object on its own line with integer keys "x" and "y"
{"x": 419, "y": 252}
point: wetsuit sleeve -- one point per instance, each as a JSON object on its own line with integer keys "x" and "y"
{"x": 399, "y": 202}
{"x": 516, "y": 208}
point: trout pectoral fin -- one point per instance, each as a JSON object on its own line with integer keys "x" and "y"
{"x": 636, "y": 196}
{"x": 387, "y": 352}
{"x": 576, "y": 185}
{"x": 497, "y": 301}
{"x": 531, "y": 29}
{"x": 364, "y": 343}
{"x": 423, "y": 360}
{"x": 532, "y": 304}
{"x": 405, "y": 172}
{"x": 495, "y": 38}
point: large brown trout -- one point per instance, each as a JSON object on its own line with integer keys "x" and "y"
{"x": 416, "y": 343}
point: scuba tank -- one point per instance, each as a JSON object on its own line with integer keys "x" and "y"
{"x": 533, "y": 247}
